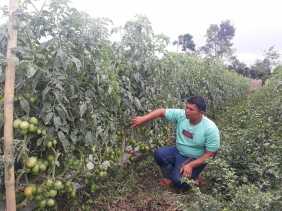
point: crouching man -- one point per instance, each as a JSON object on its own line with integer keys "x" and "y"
{"x": 197, "y": 139}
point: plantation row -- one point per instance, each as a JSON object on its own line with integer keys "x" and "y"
{"x": 247, "y": 173}
{"x": 76, "y": 91}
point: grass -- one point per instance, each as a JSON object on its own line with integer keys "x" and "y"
{"x": 136, "y": 188}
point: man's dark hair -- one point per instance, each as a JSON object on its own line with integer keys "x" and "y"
{"x": 199, "y": 101}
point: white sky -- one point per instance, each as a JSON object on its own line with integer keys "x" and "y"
{"x": 258, "y": 22}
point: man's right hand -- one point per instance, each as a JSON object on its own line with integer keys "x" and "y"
{"x": 137, "y": 121}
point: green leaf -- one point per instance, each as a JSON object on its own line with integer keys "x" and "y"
{"x": 45, "y": 92}
{"x": 74, "y": 135}
{"x": 31, "y": 70}
{"x": 39, "y": 142}
{"x": 48, "y": 118}
{"x": 77, "y": 63}
{"x": 57, "y": 122}
{"x": 89, "y": 139}
{"x": 25, "y": 105}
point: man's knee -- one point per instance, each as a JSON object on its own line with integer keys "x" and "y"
{"x": 157, "y": 156}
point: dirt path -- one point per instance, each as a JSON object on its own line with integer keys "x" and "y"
{"x": 143, "y": 193}
{"x": 254, "y": 85}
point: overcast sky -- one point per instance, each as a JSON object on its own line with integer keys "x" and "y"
{"x": 258, "y": 22}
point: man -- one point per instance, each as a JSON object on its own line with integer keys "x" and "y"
{"x": 197, "y": 139}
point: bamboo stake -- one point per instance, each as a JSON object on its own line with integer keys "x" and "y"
{"x": 9, "y": 109}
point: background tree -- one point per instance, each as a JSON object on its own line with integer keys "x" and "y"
{"x": 218, "y": 43}
{"x": 273, "y": 56}
{"x": 262, "y": 68}
{"x": 186, "y": 42}
{"x": 239, "y": 66}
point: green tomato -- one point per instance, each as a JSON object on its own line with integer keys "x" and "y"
{"x": 49, "y": 144}
{"x": 50, "y": 202}
{"x": 32, "y": 99}
{"x": 32, "y": 128}
{"x": 55, "y": 142}
{"x": 42, "y": 204}
{"x": 52, "y": 193}
{"x": 34, "y": 188}
{"x": 58, "y": 185}
{"x": 45, "y": 162}
{"x": 35, "y": 169}
{"x": 40, "y": 189}
{"x": 24, "y": 125}
{"x": 68, "y": 184}
{"x": 24, "y": 132}
{"x": 17, "y": 123}
{"x": 33, "y": 120}
{"x": 51, "y": 158}
{"x": 102, "y": 173}
{"x": 73, "y": 193}
{"x": 38, "y": 198}
{"x": 38, "y": 131}
{"x": 31, "y": 162}
{"x": 42, "y": 167}
{"x": 49, "y": 183}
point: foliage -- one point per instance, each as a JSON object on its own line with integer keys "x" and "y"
{"x": 218, "y": 43}
{"x": 190, "y": 75}
{"x": 185, "y": 42}
{"x": 261, "y": 69}
{"x": 246, "y": 175}
{"x": 249, "y": 197}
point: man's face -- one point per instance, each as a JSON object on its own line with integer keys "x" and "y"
{"x": 192, "y": 112}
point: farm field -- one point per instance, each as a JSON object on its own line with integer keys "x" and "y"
{"x": 76, "y": 91}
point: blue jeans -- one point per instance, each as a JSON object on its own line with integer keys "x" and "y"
{"x": 171, "y": 161}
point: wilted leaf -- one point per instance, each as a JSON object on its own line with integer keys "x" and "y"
{"x": 82, "y": 109}
{"x": 64, "y": 141}
{"x": 89, "y": 138}
{"x": 138, "y": 104}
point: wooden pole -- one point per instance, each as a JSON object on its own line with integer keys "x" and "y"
{"x": 9, "y": 110}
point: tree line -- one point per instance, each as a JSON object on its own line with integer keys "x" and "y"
{"x": 219, "y": 45}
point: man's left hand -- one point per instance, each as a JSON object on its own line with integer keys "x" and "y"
{"x": 186, "y": 170}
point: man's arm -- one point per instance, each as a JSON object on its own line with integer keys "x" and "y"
{"x": 187, "y": 169}
{"x": 139, "y": 120}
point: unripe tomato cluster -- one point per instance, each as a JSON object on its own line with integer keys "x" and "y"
{"x": 40, "y": 164}
{"x": 32, "y": 99}
{"x": 28, "y": 126}
{"x": 45, "y": 193}
{"x": 35, "y": 165}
